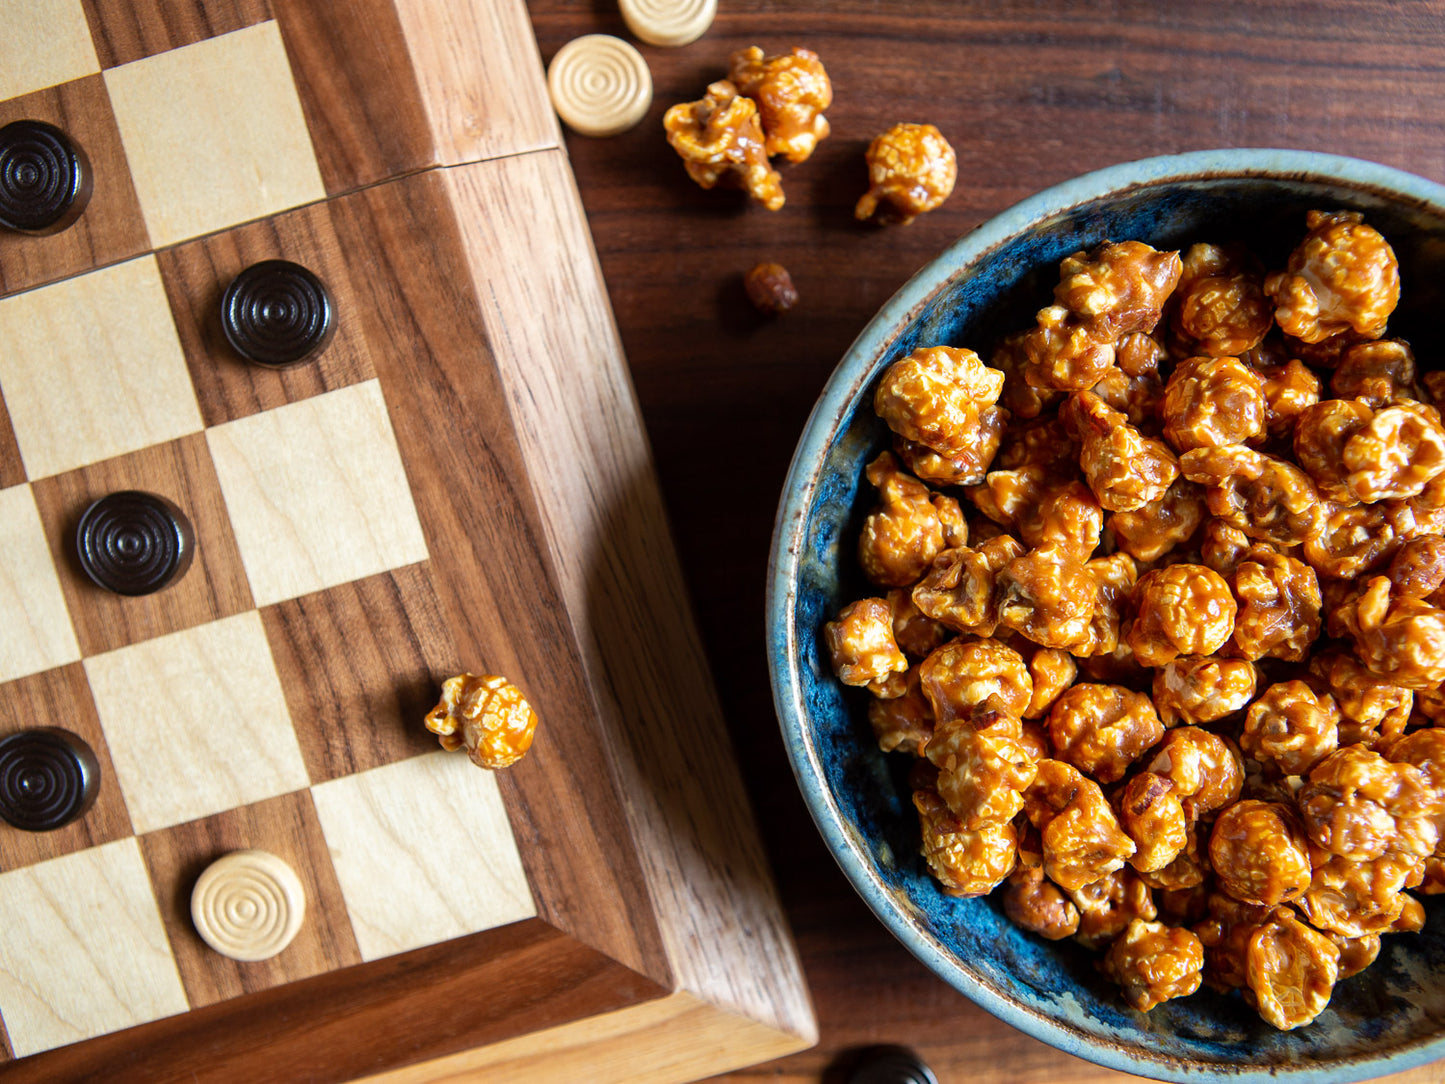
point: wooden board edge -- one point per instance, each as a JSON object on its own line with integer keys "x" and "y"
{"x": 496, "y": 576}
{"x": 672, "y": 1040}
{"x": 430, "y": 1003}
{"x": 482, "y": 100}
{"x": 550, "y": 326}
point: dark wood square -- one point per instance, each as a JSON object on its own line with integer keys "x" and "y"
{"x": 12, "y": 469}
{"x": 288, "y": 828}
{"x": 196, "y": 274}
{"x": 213, "y": 587}
{"x": 361, "y": 665}
{"x": 124, "y": 30}
{"x": 61, "y": 697}
{"x": 111, "y": 227}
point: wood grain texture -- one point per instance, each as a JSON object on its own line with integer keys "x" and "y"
{"x": 390, "y": 87}
{"x": 317, "y": 493}
{"x": 499, "y": 576}
{"x": 35, "y": 629}
{"x": 125, "y": 31}
{"x": 61, "y": 697}
{"x": 196, "y": 722}
{"x": 12, "y": 470}
{"x": 347, "y": 1024}
{"x": 490, "y": 561}
{"x": 667, "y": 1041}
{"x": 93, "y": 369}
{"x": 213, "y": 587}
{"x": 361, "y": 665}
{"x": 104, "y": 963}
{"x": 285, "y": 826}
{"x": 197, "y": 274}
{"x": 480, "y": 77}
{"x": 358, "y": 90}
{"x": 1030, "y": 94}
{"x": 595, "y": 481}
{"x": 111, "y": 227}
{"x": 231, "y": 147}
{"x": 42, "y": 43}
{"x": 399, "y": 837}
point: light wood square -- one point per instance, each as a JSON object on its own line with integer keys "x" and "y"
{"x": 35, "y": 629}
{"x": 214, "y": 134}
{"x": 196, "y": 722}
{"x": 92, "y": 368}
{"x": 82, "y": 949}
{"x": 43, "y": 42}
{"x": 317, "y": 493}
{"x": 423, "y": 851}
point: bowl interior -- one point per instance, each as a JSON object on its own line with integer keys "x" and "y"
{"x": 1387, "y": 1018}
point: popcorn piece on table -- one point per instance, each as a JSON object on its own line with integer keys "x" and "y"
{"x": 720, "y": 139}
{"x": 911, "y": 170}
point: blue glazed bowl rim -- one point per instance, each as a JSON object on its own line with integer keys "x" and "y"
{"x": 831, "y": 414}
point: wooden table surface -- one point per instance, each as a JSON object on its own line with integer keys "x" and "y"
{"x": 1029, "y": 94}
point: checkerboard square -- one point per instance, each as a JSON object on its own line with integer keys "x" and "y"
{"x": 196, "y": 275}
{"x": 196, "y": 722}
{"x": 213, "y": 587}
{"x": 43, "y": 42}
{"x": 35, "y": 629}
{"x": 92, "y": 368}
{"x": 110, "y": 228}
{"x": 214, "y": 134}
{"x": 61, "y": 697}
{"x": 317, "y": 493}
{"x": 423, "y": 851}
{"x": 82, "y": 949}
{"x": 361, "y": 664}
{"x": 285, "y": 827}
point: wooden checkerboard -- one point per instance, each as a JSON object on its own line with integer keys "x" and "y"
{"x": 459, "y": 482}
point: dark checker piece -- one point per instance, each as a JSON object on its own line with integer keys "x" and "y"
{"x": 277, "y": 313}
{"x": 134, "y": 543}
{"x": 891, "y": 1065}
{"x": 48, "y": 778}
{"x": 44, "y": 178}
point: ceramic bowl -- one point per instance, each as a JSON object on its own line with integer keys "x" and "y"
{"x": 1390, "y": 1017}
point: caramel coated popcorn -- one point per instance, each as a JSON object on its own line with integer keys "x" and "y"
{"x": 486, "y": 715}
{"x": 966, "y": 863}
{"x": 911, "y": 170}
{"x": 1222, "y": 310}
{"x": 1342, "y": 280}
{"x": 904, "y": 533}
{"x": 1182, "y": 609}
{"x": 1292, "y": 727}
{"x": 1153, "y": 963}
{"x": 720, "y": 140}
{"x": 1102, "y": 729}
{"x": 1290, "y": 970}
{"x": 1212, "y": 401}
{"x": 791, "y": 92}
{"x": 937, "y": 396}
{"x": 1187, "y": 532}
{"x": 862, "y": 646}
